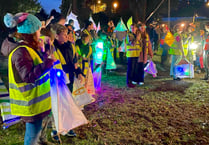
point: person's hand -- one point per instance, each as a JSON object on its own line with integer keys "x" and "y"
{"x": 51, "y": 18}
{"x": 52, "y": 57}
{"x": 84, "y": 58}
{"x": 81, "y": 79}
{"x": 76, "y": 65}
{"x": 41, "y": 45}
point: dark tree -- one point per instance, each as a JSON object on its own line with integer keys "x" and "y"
{"x": 15, "y": 6}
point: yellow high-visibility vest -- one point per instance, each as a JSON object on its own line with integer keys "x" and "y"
{"x": 58, "y": 54}
{"x": 174, "y": 50}
{"x": 133, "y": 50}
{"x": 84, "y": 65}
{"x": 29, "y": 99}
{"x": 186, "y": 45}
{"x": 88, "y": 33}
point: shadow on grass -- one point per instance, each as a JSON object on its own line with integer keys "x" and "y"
{"x": 171, "y": 85}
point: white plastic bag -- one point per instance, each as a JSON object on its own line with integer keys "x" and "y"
{"x": 66, "y": 113}
{"x": 80, "y": 95}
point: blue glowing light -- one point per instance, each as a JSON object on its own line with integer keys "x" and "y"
{"x": 58, "y": 73}
{"x": 180, "y": 69}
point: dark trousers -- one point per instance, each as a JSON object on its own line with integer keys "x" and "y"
{"x": 131, "y": 69}
{"x": 121, "y": 54}
{"x": 70, "y": 85}
{"x": 140, "y": 72}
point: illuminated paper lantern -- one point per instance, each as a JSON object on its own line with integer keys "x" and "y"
{"x": 120, "y": 26}
{"x": 67, "y": 115}
{"x": 74, "y": 18}
{"x": 122, "y": 47}
{"x": 129, "y": 23}
{"x": 98, "y": 55}
{"x": 169, "y": 39}
{"x": 184, "y": 69}
{"x": 151, "y": 68}
{"x": 7, "y": 117}
{"x": 98, "y": 27}
{"x": 110, "y": 61}
{"x": 91, "y": 19}
{"x": 97, "y": 74}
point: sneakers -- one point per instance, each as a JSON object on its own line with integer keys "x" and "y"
{"x": 205, "y": 78}
{"x": 141, "y": 83}
{"x": 130, "y": 85}
{"x": 177, "y": 79}
{"x": 55, "y": 136}
{"x": 71, "y": 133}
{"x": 134, "y": 82}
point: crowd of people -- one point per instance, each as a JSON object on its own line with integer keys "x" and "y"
{"x": 33, "y": 46}
{"x": 190, "y": 43}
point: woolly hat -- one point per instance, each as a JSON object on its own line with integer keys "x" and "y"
{"x": 26, "y": 23}
{"x": 30, "y": 25}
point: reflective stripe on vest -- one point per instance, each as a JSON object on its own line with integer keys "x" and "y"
{"x": 29, "y": 99}
{"x": 88, "y": 33}
{"x": 85, "y": 66}
{"x": 59, "y": 65}
{"x": 62, "y": 60}
{"x": 133, "y": 51}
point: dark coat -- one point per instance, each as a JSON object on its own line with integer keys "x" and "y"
{"x": 25, "y": 71}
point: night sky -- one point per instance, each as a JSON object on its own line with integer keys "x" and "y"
{"x": 49, "y": 5}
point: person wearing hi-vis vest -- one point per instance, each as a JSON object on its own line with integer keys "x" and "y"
{"x": 132, "y": 56}
{"x": 67, "y": 56}
{"x": 146, "y": 49}
{"x": 176, "y": 50}
{"x": 89, "y": 27}
{"x": 84, "y": 52}
{"x": 29, "y": 83}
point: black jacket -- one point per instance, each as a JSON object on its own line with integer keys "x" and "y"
{"x": 67, "y": 52}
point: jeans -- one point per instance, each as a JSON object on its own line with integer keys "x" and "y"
{"x": 174, "y": 58}
{"x": 32, "y": 132}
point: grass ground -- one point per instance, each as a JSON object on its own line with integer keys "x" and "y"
{"x": 162, "y": 111}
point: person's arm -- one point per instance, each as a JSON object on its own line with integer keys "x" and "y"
{"x": 49, "y": 20}
{"x": 90, "y": 52}
{"x": 24, "y": 65}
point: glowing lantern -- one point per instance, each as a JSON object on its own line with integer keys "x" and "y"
{"x": 184, "y": 69}
{"x": 99, "y": 53}
{"x": 110, "y": 61}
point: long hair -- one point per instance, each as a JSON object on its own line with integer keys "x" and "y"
{"x": 31, "y": 40}
{"x": 143, "y": 34}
